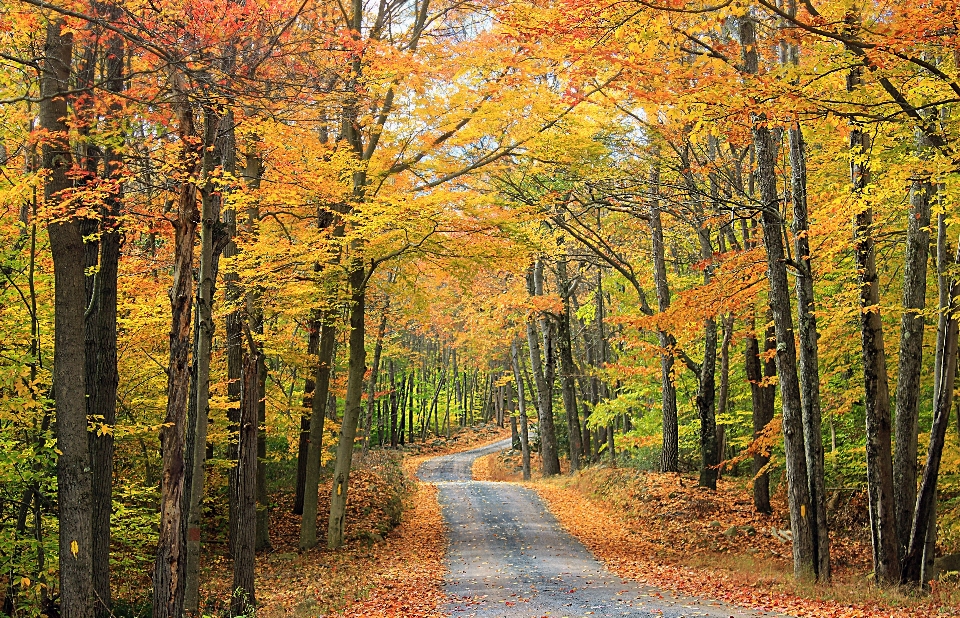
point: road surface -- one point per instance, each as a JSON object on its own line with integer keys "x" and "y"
{"x": 508, "y": 556}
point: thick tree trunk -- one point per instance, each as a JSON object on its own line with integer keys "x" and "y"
{"x": 308, "y": 522}
{"x": 309, "y": 388}
{"x": 351, "y": 412}
{"x": 670, "y": 455}
{"x": 911, "y": 357}
{"x": 168, "y": 574}
{"x": 798, "y": 489}
{"x": 74, "y": 482}
{"x": 521, "y": 404}
{"x": 243, "y": 528}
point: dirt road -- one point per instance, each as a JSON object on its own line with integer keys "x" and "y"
{"x": 508, "y": 556}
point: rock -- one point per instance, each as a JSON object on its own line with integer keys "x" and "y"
{"x": 945, "y": 564}
{"x": 750, "y": 530}
{"x": 730, "y": 532}
{"x": 716, "y": 524}
{"x": 285, "y": 556}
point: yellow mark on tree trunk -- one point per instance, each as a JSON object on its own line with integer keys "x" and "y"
{"x": 803, "y": 510}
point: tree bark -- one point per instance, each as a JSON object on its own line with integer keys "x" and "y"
{"x": 763, "y": 398}
{"x": 168, "y": 575}
{"x": 351, "y": 412}
{"x": 911, "y": 357}
{"x": 308, "y": 522}
{"x": 798, "y": 490}
{"x": 670, "y": 455}
{"x": 521, "y": 404}
{"x": 374, "y": 373}
{"x": 74, "y": 482}
{"x": 543, "y": 372}
{"x": 707, "y": 390}
{"x": 309, "y": 388}
{"x": 567, "y": 368}
{"x": 243, "y": 532}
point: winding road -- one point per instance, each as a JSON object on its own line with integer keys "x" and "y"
{"x": 508, "y": 556}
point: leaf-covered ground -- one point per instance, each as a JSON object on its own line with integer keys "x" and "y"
{"x": 392, "y": 561}
{"x": 663, "y": 530}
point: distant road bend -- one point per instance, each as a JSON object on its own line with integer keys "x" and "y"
{"x": 508, "y": 556}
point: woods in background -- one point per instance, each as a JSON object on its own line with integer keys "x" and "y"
{"x": 680, "y": 237}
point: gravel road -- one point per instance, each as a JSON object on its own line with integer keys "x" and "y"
{"x": 508, "y": 556}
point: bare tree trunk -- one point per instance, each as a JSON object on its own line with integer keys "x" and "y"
{"x": 74, "y": 482}
{"x": 521, "y": 404}
{"x": 309, "y": 388}
{"x": 543, "y": 372}
{"x": 243, "y": 529}
{"x": 670, "y": 455}
{"x": 943, "y": 406}
{"x": 308, "y": 521}
{"x": 567, "y": 368}
{"x": 168, "y": 575}
{"x": 764, "y": 399}
{"x": 798, "y": 489}
{"x": 707, "y": 391}
{"x": 911, "y": 356}
{"x": 374, "y": 373}
{"x": 351, "y": 412}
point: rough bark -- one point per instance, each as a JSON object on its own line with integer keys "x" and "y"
{"x": 798, "y": 490}
{"x": 374, "y": 373}
{"x": 543, "y": 372}
{"x": 168, "y": 581}
{"x": 303, "y": 444}
{"x": 308, "y": 522}
{"x": 808, "y": 353}
{"x": 670, "y": 455}
{"x": 521, "y": 404}
{"x": 567, "y": 368}
{"x": 943, "y": 406}
{"x": 351, "y": 412}
{"x": 74, "y": 482}
{"x": 911, "y": 358}
{"x": 707, "y": 388}
{"x": 243, "y": 527}
{"x": 763, "y": 398}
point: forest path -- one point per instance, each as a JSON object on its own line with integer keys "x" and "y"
{"x": 508, "y": 556}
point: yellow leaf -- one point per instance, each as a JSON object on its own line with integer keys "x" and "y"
{"x": 74, "y": 548}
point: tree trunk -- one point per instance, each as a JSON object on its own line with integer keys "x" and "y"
{"x": 374, "y": 373}
{"x": 543, "y": 372}
{"x": 763, "y": 398}
{"x": 309, "y": 388}
{"x": 707, "y": 391}
{"x": 169, "y": 568}
{"x": 670, "y": 455}
{"x": 911, "y": 357}
{"x": 567, "y": 368}
{"x": 798, "y": 489}
{"x": 308, "y": 521}
{"x": 943, "y": 406}
{"x": 243, "y": 529}
{"x": 521, "y": 404}
{"x": 809, "y": 354}
{"x": 74, "y": 482}
{"x": 351, "y": 412}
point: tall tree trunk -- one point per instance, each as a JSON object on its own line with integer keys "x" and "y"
{"x": 543, "y": 372}
{"x": 374, "y": 373}
{"x": 707, "y": 391}
{"x": 308, "y": 522}
{"x": 911, "y": 356}
{"x": 798, "y": 489}
{"x": 243, "y": 533}
{"x": 943, "y": 406}
{"x": 309, "y": 388}
{"x": 351, "y": 412}
{"x": 876, "y": 390}
{"x": 521, "y": 404}
{"x": 567, "y": 367}
{"x": 670, "y": 455}
{"x": 168, "y": 574}
{"x": 763, "y": 398}
{"x": 196, "y": 442}
{"x": 74, "y": 482}
{"x": 809, "y": 354}
{"x": 101, "y": 325}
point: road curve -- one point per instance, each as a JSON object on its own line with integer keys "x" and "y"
{"x": 508, "y": 556}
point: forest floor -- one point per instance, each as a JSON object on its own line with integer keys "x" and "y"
{"x": 662, "y": 530}
{"x": 392, "y": 560}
